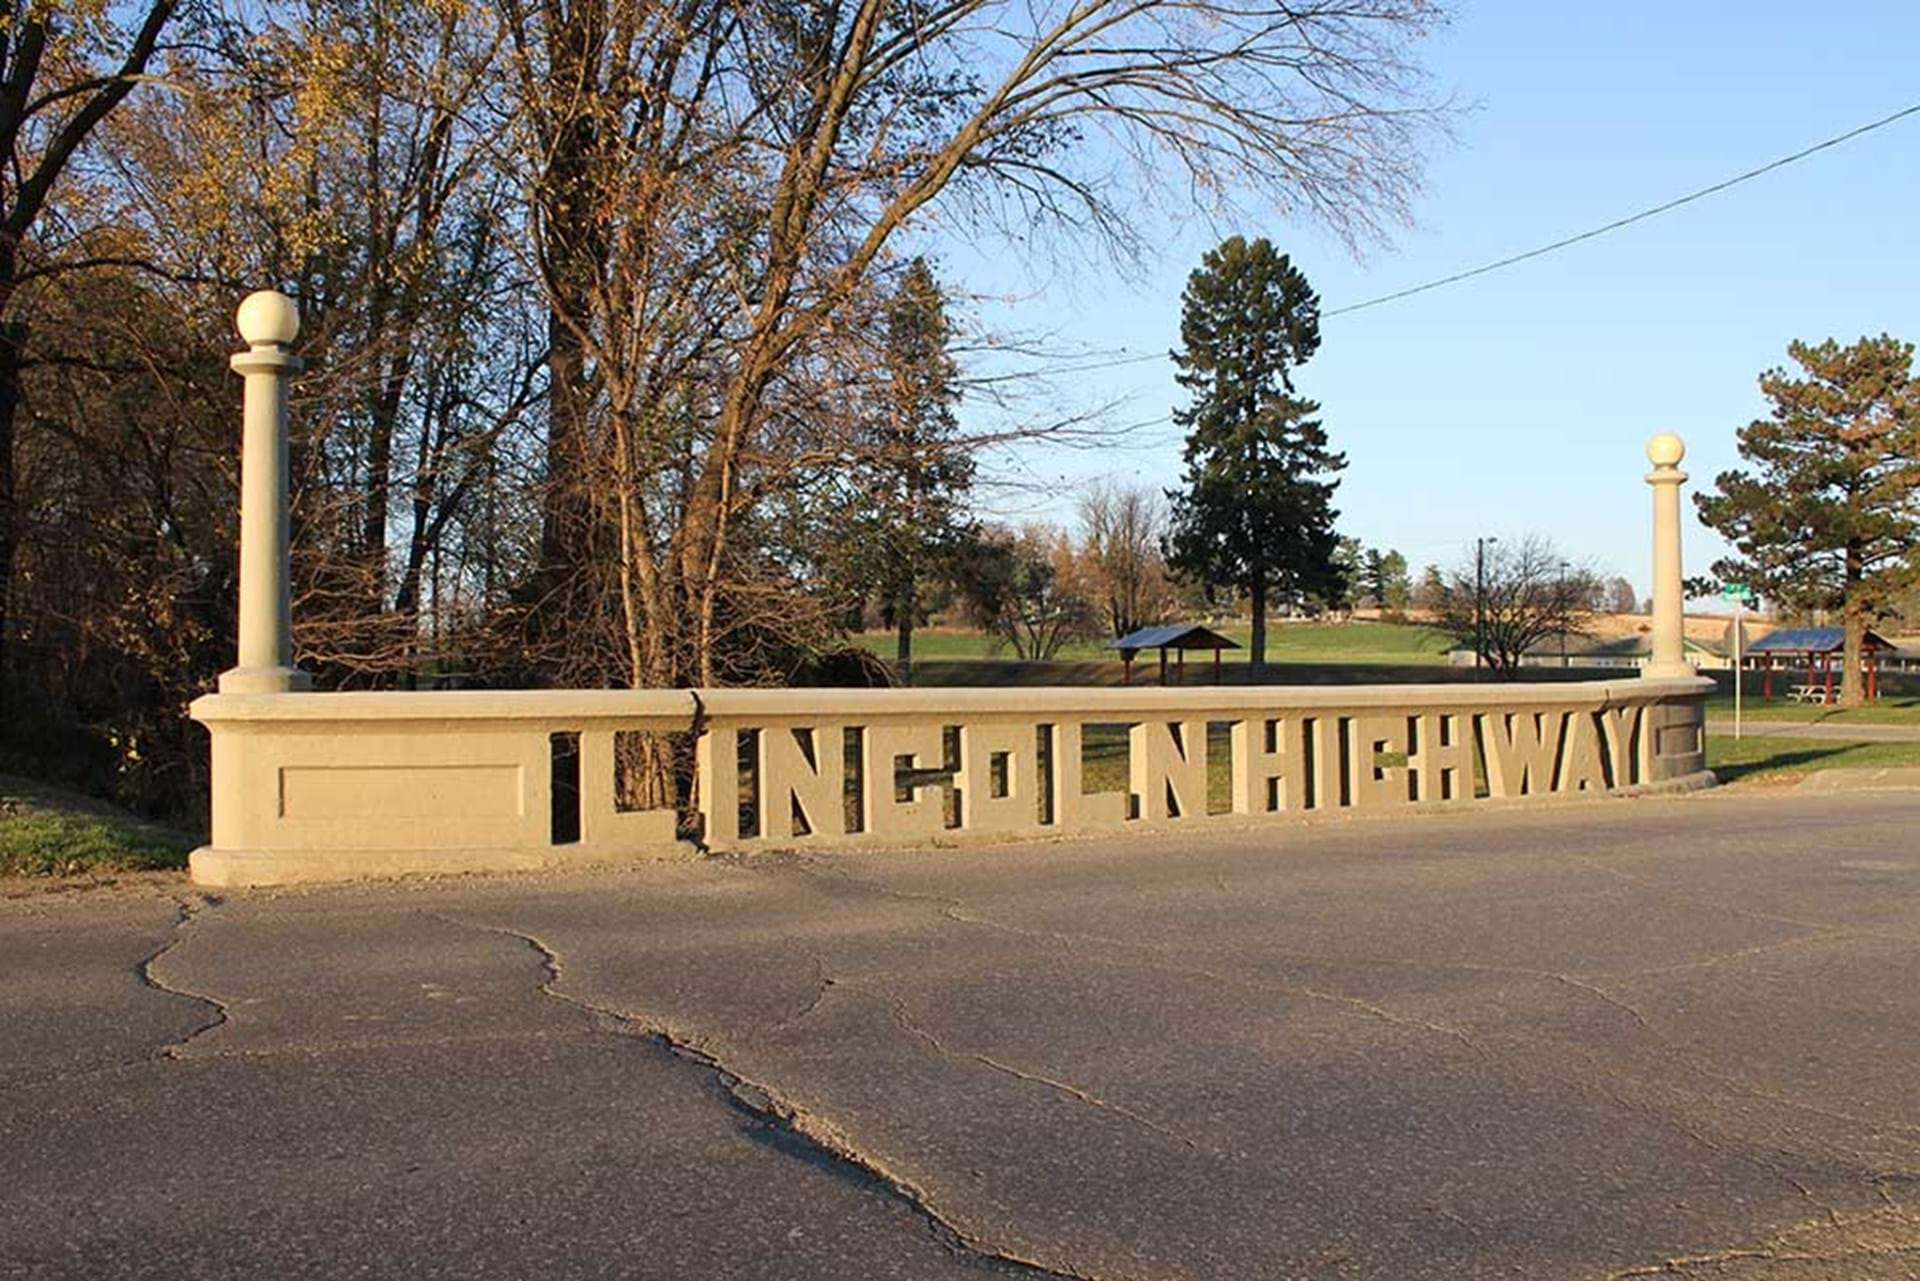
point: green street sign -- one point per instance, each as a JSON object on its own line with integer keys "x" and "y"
{"x": 1733, "y": 590}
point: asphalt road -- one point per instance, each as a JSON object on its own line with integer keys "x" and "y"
{"x": 1670, "y": 1037}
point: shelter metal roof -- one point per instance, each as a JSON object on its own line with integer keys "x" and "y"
{"x": 1812, "y": 640}
{"x": 1174, "y": 636}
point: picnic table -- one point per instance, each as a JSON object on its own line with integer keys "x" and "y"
{"x": 1823, "y": 651}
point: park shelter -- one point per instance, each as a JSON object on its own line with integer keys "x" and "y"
{"x": 1179, "y": 637}
{"x": 1820, "y": 650}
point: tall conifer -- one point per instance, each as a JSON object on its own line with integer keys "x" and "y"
{"x": 1829, "y": 517}
{"x": 1256, "y": 508}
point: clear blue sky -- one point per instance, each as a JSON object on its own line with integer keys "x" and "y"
{"x": 1520, "y": 402}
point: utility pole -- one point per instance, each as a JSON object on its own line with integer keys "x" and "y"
{"x": 1563, "y": 605}
{"x": 1479, "y": 603}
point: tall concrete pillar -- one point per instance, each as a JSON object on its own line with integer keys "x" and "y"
{"x": 1669, "y": 632}
{"x": 269, "y": 323}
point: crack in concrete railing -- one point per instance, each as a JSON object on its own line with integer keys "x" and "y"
{"x": 1092, "y": 1100}
{"x": 769, "y": 1107}
{"x": 187, "y": 910}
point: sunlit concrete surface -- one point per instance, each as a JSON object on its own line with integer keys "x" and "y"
{"x": 1660, "y": 1037}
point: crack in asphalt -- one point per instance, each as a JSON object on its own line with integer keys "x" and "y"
{"x": 1157, "y": 959}
{"x": 1817, "y": 928}
{"x": 823, "y": 983}
{"x": 187, "y": 910}
{"x": 1887, "y": 1232}
{"x": 1668, "y": 1119}
{"x": 955, "y": 910}
{"x": 806, "y": 1134}
{"x": 1741, "y": 954}
{"x": 1092, "y": 1100}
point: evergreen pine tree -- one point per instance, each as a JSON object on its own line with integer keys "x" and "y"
{"x": 1255, "y": 511}
{"x": 1395, "y": 588}
{"x": 908, "y": 516}
{"x": 1373, "y": 579}
{"x": 1830, "y": 517}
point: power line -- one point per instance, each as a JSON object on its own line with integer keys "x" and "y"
{"x": 1628, "y": 221}
{"x": 1059, "y": 371}
{"x": 1557, "y": 245}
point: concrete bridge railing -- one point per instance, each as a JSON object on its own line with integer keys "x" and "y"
{"x": 316, "y": 786}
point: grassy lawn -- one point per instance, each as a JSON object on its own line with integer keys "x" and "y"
{"x": 1783, "y": 758}
{"x": 49, "y": 831}
{"x": 1891, "y": 709}
{"x": 1384, "y": 643}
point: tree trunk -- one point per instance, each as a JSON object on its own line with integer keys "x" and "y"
{"x": 13, "y": 338}
{"x": 903, "y": 624}
{"x": 12, "y": 335}
{"x": 644, "y": 770}
{"x": 570, "y": 195}
{"x": 1852, "y": 685}
{"x": 384, "y": 420}
{"x": 562, "y": 525}
{"x": 1257, "y": 648}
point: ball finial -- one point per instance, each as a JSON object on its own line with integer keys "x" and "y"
{"x": 268, "y": 318}
{"x": 1666, "y": 450}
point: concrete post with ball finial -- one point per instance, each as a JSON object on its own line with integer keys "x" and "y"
{"x": 269, "y": 323}
{"x": 1669, "y": 629}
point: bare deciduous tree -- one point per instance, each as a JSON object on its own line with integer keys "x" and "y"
{"x": 63, "y": 69}
{"x": 591, "y": 293}
{"x": 1123, "y": 526}
{"x": 1024, "y": 590}
{"x": 722, "y": 184}
{"x": 1524, "y": 592}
